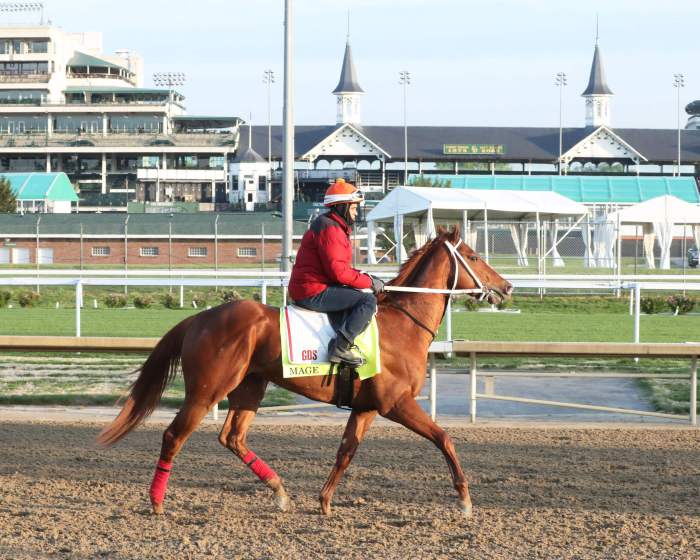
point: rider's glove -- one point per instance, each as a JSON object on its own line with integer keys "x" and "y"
{"x": 377, "y": 285}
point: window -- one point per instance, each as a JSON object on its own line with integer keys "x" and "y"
{"x": 197, "y": 252}
{"x": 100, "y": 251}
{"x": 262, "y": 183}
{"x": 234, "y": 182}
{"x": 247, "y": 252}
{"x": 250, "y": 197}
{"x": 149, "y": 251}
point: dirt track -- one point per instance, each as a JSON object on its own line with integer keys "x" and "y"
{"x": 538, "y": 493}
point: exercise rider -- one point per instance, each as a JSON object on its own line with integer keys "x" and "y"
{"x": 324, "y": 280}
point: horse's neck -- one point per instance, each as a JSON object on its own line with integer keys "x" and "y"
{"x": 429, "y": 308}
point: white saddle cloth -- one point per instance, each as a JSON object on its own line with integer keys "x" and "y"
{"x": 308, "y": 334}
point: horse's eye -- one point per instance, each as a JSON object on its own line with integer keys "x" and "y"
{"x": 473, "y": 258}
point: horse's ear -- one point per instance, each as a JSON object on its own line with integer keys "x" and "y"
{"x": 456, "y": 233}
{"x": 440, "y": 230}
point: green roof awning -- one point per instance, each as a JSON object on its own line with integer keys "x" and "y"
{"x": 41, "y": 186}
{"x": 83, "y": 59}
{"x": 586, "y": 189}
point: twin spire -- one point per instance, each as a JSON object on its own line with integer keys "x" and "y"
{"x": 597, "y": 93}
{"x": 348, "y": 90}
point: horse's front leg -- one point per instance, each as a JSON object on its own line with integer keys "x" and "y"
{"x": 355, "y": 429}
{"x": 408, "y": 412}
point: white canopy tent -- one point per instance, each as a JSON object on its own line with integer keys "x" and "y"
{"x": 659, "y": 216}
{"x": 421, "y": 206}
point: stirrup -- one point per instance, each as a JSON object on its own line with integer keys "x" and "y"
{"x": 340, "y": 356}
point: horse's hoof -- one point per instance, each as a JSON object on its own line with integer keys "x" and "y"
{"x": 325, "y": 507}
{"x": 158, "y": 509}
{"x": 466, "y": 509}
{"x": 283, "y": 502}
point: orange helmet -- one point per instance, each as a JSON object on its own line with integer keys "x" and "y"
{"x": 341, "y": 192}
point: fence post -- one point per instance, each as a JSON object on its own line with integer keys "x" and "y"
{"x": 263, "y": 293}
{"x": 448, "y": 323}
{"x": 694, "y": 391}
{"x": 472, "y": 387}
{"x": 631, "y": 302}
{"x": 433, "y": 388}
{"x": 637, "y": 299}
{"x": 182, "y": 296}
{"x": 78, "y": 305}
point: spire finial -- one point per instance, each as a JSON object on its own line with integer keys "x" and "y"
{"x": 250, "y": 130}
{"x": 596, "y": 30}
{"x": 348, "y": 35}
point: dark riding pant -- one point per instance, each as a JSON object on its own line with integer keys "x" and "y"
{"x": 358, "y": 307}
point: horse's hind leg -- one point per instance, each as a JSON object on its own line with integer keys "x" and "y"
{"x": 408, "y": 413}
{"x": 243, "y": 404}
{"x": 355, "y": 429}
{"x": 182, "y": 426}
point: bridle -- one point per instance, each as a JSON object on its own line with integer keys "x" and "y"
{"x": 481, "y": 290}
{"x": 457, "y": 258}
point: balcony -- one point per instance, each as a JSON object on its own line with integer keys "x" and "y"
{"x": 24, "y": 78}
{"x": 114, "y": 139}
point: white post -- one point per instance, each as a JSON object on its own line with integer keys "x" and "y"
{"x": 632, "y": 302}
{"x": 637, "y": 298}
{"x": 486, "y": 235}
{"x": 263, "y": 293}
{"x": 182, "y": 296}
{"x": 472, "y": 387}
{"x": 448, "y": 320}
{"x": 465, "y": 225}
{"x": 694, "y": 391}
{"x": 78, "y": 305}
{"x": 433, "y": 388}
{"x": 619, "y": 254}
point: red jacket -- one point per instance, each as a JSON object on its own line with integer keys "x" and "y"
{"x": 324, "y": 259}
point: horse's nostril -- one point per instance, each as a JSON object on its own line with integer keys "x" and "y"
{"x": 509, "y": 289}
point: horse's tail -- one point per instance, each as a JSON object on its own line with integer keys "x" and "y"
{"x": 156, "y": 373}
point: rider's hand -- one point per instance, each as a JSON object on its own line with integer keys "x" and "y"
{"x": 377, "y": 285}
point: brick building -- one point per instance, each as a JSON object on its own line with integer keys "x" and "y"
{"x": 143, "y": 240}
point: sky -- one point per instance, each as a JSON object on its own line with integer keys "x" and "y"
{"x": 472, "y": 63}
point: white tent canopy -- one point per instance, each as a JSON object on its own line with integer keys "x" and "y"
{"x": 422, "y": 205}
{"x": 659, "y": 215}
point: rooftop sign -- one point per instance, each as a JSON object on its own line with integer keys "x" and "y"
{"x": 473, "y": 149}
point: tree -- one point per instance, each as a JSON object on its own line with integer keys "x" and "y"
{"x": 8, "y": 200}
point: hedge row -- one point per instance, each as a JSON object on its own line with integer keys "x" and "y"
{"x": 29, "y": 298}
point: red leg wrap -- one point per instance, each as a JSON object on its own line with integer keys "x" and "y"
{"x": 261, "y": 469}
{"x": 160, "y": 481}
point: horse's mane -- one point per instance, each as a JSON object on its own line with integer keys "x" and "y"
{"x": 415, "y": 260}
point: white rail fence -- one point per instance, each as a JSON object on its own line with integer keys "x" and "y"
{"x": 208, "y": 278}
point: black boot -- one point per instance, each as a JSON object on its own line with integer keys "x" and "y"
{"x": 339, "y": 350}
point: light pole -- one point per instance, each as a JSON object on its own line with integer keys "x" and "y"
{"x": 269, "y": 79}
{"x": 169, "y": 79}
{"x": 405, "y": 81}
{"x": 288, "y": 125}
{"x": 678, "y": 83}
{"x": 560, "y": 82}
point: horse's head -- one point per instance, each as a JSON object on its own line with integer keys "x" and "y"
{"x": 473, "y": 272}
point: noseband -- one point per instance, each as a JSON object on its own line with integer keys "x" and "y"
{"x": 457, "y": 258}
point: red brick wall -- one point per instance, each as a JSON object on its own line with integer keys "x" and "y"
{"x": 67, "y": 251}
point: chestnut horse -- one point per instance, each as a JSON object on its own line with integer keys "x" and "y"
{"x": 234, "y": 350}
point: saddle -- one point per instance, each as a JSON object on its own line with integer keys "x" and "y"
{"x": 305, "y": 336}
